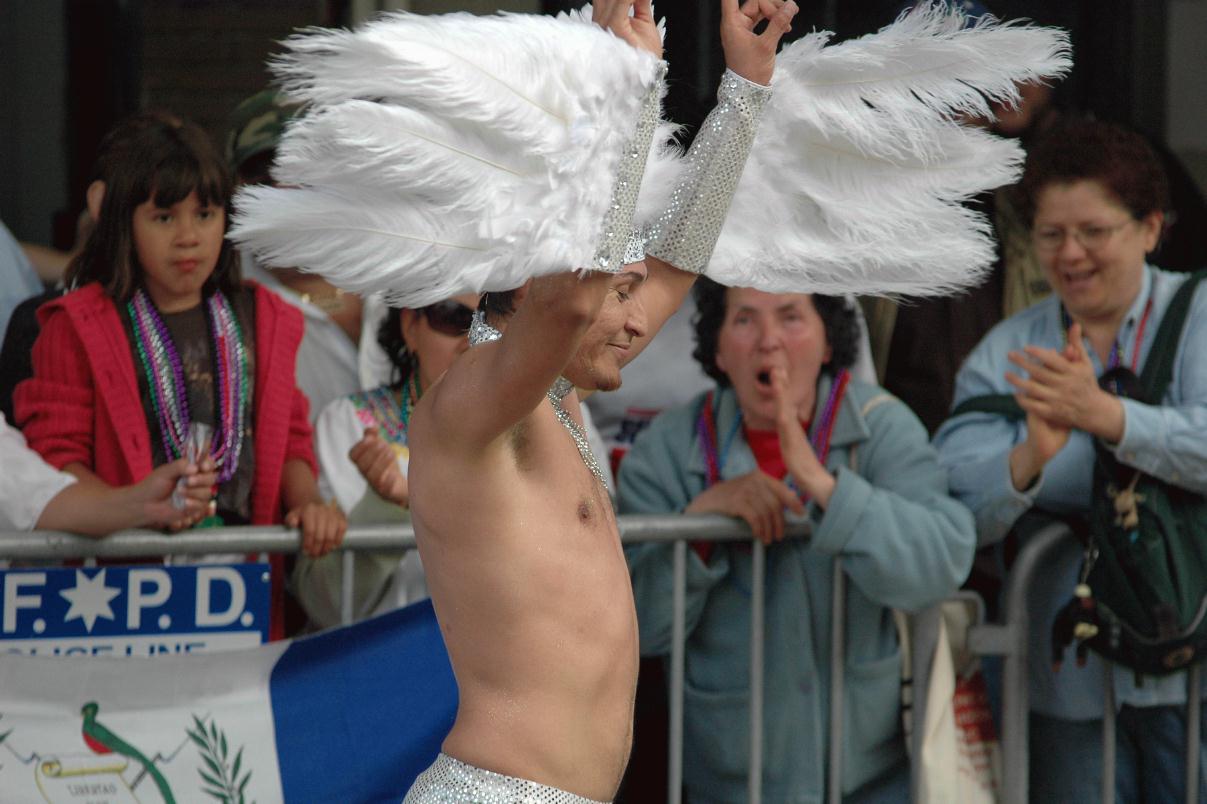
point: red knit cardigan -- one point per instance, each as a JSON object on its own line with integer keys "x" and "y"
{"x": 82, "y": 404}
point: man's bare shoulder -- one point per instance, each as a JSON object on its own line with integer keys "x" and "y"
{"x": 457, "y": 410}
{"x": 446, "y": 408}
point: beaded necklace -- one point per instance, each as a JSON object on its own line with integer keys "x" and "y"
{"x": 164, "y": 373}
{"x": 389, "y": 411}
{"x": 482, "y": 332}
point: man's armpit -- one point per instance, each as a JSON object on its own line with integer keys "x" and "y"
{"x": 519, "y": 442}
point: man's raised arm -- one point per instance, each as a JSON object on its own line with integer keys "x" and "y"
{"x": 496, "y": 385}
{"x": 683, "y": 237}
{"x": 553, "y": 312}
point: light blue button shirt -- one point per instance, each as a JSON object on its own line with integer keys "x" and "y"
{"x": 18, "y": 280}
{"x": 1168, "y": 441}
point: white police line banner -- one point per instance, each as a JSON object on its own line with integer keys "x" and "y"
{"x": 351, "y": 714}
{"x": 143, "y": 610}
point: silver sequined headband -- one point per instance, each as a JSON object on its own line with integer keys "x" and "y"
{"x": 634, "y": 249}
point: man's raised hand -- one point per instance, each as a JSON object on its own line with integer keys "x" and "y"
{"x": 748, "y": 54}
{"x": 637, "y": 28}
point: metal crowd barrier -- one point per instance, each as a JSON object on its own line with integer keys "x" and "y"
{"x": 1007, "y": 639}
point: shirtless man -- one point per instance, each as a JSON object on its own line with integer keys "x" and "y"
{"x": 518, "y": 537}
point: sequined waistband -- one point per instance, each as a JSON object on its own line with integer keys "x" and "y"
{"x": 451, "y": 781}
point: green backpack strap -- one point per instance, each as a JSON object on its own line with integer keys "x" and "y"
{"x": 1000, "y": 404}
{"x": 1158, "y": 367}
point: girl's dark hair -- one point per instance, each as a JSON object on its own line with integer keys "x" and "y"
{"x": 838, "y": 318}
{"x": 151, "y": 155}
{"x": 1119, "y": 159}
{"x": 389, "y": 338}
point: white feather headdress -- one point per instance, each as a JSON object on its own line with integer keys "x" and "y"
{"x": 858, "y": 172}
{"x": 446, "y": 154}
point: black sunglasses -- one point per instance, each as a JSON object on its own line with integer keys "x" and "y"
{"x": 449, "y": 317}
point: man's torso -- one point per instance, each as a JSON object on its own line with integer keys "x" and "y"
{"x": 533, "y": 596}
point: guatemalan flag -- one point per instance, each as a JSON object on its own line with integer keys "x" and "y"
{"x": 349, "y": 715}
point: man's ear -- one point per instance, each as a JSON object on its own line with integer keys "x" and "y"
{"x": 521, "y": 292}
{"x": 408, "y": 319}
{"x": 94, "y": 197}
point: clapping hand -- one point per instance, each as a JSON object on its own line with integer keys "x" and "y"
{"x": 1062, "y": 391}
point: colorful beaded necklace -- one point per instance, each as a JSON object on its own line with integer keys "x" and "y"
{"x": 164, "y": 373}
{"x": 389, "y": 412}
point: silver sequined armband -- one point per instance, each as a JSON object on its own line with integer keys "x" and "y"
{"x": 618, "y": 222}
{"x": 686, "y": 233}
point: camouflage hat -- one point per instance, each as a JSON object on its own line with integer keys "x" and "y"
{"x": 256, "y": 126}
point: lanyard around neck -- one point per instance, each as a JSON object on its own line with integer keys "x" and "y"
{"x": 715, "y": 452}
{"x": 1115, "y": 357}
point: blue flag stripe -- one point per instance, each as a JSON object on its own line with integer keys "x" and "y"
{"x": 361, "y": 711}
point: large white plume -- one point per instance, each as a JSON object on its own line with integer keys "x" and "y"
{"x": 858, "y": 174}
{"x": 446, "y": 154}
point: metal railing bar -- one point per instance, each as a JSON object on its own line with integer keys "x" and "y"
{"x": 1194, "y": 722}
{"x": 347, "y": 586}
{"x": 1108, "y": 733}
{"x": 1015, "y": 693}
{"x": 1008, "y": 639}
{"x": 51, "y": 545}
{"x": 838, "y": 649}
{"x": 674, "y": 772}
{"x": 992, "y": 639}
{"x": 758, "y": 582}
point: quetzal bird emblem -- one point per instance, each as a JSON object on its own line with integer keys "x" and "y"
{"x": 103, "y": 741}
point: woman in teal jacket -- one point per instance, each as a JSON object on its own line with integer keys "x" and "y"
{"x": 787, "y": 428}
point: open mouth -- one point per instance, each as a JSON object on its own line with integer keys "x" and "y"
{"x": 1075, "y": 278}
{"x": 763, "y": 378}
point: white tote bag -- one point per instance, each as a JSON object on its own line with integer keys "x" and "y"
{"x": 961, "y": 756}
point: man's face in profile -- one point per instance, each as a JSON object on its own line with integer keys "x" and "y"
{"x": 607, "y": 344}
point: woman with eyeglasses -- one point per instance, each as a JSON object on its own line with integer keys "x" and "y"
{"x": 1095, "y": 195}
{"x": 361, "y": 442}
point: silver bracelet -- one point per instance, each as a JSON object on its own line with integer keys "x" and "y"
{"x": 618, "y": 222}
{"x": 686, "y": 233}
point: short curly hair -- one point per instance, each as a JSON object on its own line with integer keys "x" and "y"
{"x": 837, "y": 316}
{"x": 1119, "y": 159}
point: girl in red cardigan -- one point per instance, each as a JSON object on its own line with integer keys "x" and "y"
{"x": 161, "y": 333}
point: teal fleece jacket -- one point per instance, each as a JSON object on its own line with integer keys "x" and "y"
{"x": 903, "y": 543}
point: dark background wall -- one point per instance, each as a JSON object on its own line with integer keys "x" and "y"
{"x": 1119, "y": 46}
{"x": 70, "y": 68}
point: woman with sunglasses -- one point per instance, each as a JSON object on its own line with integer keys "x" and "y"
{"x": 361, "y": 442}
{"x": 1095, "y": 196}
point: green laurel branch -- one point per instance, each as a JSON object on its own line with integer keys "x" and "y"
{"x": 224, "y": 778}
